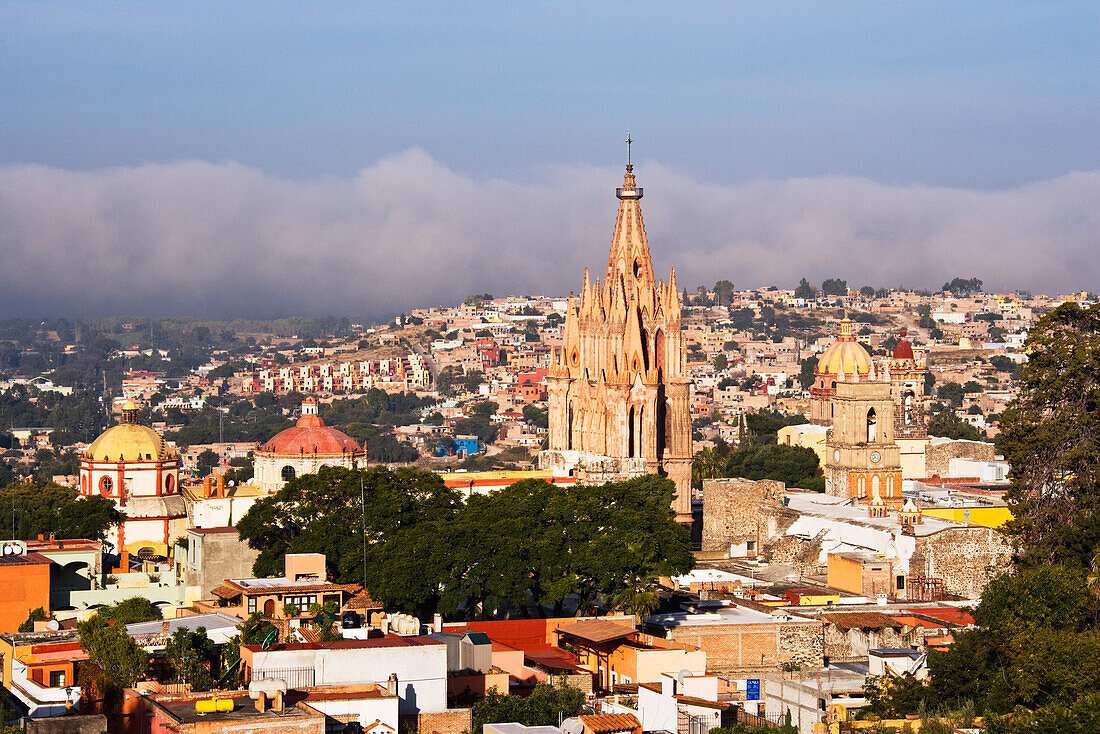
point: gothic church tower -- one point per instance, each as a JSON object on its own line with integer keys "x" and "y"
{"x": 618, "y": 389}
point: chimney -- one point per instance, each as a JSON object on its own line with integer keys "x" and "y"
{"x": 437, "y": 623}
{"x": 261, "y": 701}
{"x": 391, "y": 685}
{"x": 41, "y": 537}
{"x": 53, "y": 536}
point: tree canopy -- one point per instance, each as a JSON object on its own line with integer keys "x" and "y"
{"x": 113, "y": 651}
{"x": 546, "y": 706}
{"x": 960, "y": 287}
{"x": 50, "y": 508}
{"x": 527, "y": 548}
{"x": 805, "y": 290}
{"x": 791, "y": 465}
{"x": 1050, "y": 435}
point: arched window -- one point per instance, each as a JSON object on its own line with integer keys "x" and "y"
{"x": 106, "y": 485}
{"x": 659, "y": 353}
{"x": 169, "y": 482}
{"x": 569, "y": 430}
{"x": 288, "y": 473}
{"x": 84, "y": 485}
{"x": 907, "y": 407}
{"x": 872, "y": 426}
{"x": 874, "y": 485}
{"x": 630, "y": 434}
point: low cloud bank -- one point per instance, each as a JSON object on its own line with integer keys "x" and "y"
{"x": 224, "y": 240}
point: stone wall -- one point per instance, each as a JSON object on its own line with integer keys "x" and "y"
{"x": 731, "y": 511}
{"x": 747, "y": 648}
{"x": 854, "y": 643}
{"x": 965, "y": 558}
{"x": 937, "y": 456}
{"x": 86, "y": 724}
{"x": 451, "y": 721}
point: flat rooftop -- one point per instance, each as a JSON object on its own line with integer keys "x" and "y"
{"x": 837, "y": 508}
{"x": 731, "y": 615}
{"x": 244, "y": 709}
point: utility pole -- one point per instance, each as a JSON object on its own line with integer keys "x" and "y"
{"x": 363, "y": 509}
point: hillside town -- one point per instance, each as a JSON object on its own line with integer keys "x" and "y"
{"x": 644, "y": 506}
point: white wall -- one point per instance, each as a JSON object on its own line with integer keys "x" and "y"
{"x": 421, "y": 670}
{"x": 368, "y": 710}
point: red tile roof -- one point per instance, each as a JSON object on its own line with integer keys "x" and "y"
{"x": 606, "y": 723}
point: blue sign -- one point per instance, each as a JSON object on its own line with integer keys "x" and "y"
{"x": 752, "y": 689}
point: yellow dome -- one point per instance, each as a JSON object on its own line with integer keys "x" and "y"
{"x": 129, "y": 442}
{"x": 846, "y": 355}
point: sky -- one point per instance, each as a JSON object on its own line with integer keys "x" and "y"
{"x": 265, "y": 159}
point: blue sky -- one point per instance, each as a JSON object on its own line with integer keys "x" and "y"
{"x": 512, "y": 99}
{"x": 957, "y": 93}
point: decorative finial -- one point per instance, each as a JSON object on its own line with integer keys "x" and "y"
{"x": 629, "y": 140}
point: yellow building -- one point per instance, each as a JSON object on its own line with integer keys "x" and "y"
{"x": 987, "y": 517}
{"x": 807, "y": 435}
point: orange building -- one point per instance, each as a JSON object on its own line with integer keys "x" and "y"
{"x": 25, "y": 585}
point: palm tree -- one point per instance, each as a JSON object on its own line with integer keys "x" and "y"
{"x": 1093, "y": 580}
{"x": 639, "y": 598}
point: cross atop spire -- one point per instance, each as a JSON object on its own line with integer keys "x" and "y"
{"x": 629, "y": 140}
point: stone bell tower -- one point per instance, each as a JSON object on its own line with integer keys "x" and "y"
{"x": 618, "y": 389}
{"x": 862, "y": 458}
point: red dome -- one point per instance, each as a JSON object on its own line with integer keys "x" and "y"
{"x": 903, "y": 350}
{"x": 311, "y": 436}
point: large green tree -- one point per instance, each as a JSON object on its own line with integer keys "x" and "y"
{"x": 114, "y": 652}
{"x": 190, "y": 656}
{"x": 791, "y": 465}
{"x": 51, "y": 508}
{"x": 533, "y": 546}
{"x": 1050, "y": 435}
{"x": 527, "y": 549}
{"x": 405, "y": 515}
{"x": 546, "y": 706}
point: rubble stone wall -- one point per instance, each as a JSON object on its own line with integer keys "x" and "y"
{"x": 938, "y": 456}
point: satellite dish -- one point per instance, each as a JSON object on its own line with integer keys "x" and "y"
{"x": 685, "y": 673}
{"x": 572, "y": 725}
{"x": 53, "y": 625}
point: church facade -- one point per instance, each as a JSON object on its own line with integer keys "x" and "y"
{"x": 618, "y": 388}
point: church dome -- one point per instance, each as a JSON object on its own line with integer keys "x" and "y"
{"x": 129, "y": 441}
{"x": 310, "y": 435}
{"x": 846, "y": 356}
{"x": 903, "y": 350}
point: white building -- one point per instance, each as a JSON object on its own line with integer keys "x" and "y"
{"x": 134, "y": 466}
{"x": 419, "y": 663}
{"x": 306, "y": 448}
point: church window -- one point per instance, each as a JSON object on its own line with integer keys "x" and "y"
{"x": 630, "y": 435}
{"x": 288, "y": 473}
{"x": 169, "y": 482}
{"x": 872, "y": 426}
{"x": 874, "y": 485}
{"x": 569, "y": 429}
{"x": 106, "y": 485}
{"x": 659, "y": 352}
{"x": 834, "y": 384}
{"x": 638, "y": 268}
{"x": 907, "y": 405}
